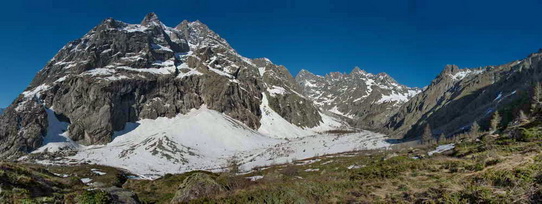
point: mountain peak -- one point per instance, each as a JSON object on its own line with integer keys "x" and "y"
{"x": 357, "y": 70}
{"x": 304, "y": 73}
{"x": 450, "y": 68}
{"x": 151, "y": 19}
{"x": 184, "y": 23}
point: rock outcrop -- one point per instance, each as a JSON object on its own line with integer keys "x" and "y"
{"x": 197, "y": 185}
{"x": 120, "y": 72}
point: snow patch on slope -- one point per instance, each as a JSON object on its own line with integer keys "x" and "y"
{"x": 205, "y": 139}
{"x": 311, "y": 146}
{"x": 202, "y": 139}
{"x": 464, "y": 73}
{"x": 57, "y": 137}
{"x": 338, "y": 112}
{"x": 273, "y": 125}
{"x": 276, "y": 90}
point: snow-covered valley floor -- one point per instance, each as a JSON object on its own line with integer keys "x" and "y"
{"x": 203, "y": 140}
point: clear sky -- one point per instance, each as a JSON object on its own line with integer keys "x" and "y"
{"x": 412, "y": 40}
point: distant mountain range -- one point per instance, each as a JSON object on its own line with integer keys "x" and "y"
{"x": 365, "y": 99}
{"x": 182, "y": 98}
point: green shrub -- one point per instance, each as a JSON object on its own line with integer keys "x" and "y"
{"x": 390, "y": 168}
{"x": 530, "y": 134}
{"x": 94, "y": 197}
{"x": 508, "y": 178}
{"x": 478, "y": 166}
{"x": 476, "y": 194}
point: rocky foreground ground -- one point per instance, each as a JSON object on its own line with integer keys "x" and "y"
{"x": 476, "y": 167}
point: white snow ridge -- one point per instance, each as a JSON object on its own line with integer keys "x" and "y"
{"x": 205, "y": 139}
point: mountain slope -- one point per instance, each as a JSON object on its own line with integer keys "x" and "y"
{"x": 366, "y": 99}
{"x": 202, "y": 139}
{"x": 459, "y": 97}
{"x": 120, "y": 73}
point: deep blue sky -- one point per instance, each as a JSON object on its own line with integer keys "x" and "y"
{"x": 412, "y": 40}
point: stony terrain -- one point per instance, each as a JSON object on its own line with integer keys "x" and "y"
{"x": 365, "y": 99}
{"x": 478, "y": 167}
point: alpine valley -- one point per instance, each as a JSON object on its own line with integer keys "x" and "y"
{"x": 147, "y": 103}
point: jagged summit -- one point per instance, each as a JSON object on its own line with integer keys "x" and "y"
{"x": 357, "y": 70}
{"x": 303, "y": 73}
{"x": 119, "y": 73}
{"x": 151, "y": 19}
{"x": 362, "y": 97}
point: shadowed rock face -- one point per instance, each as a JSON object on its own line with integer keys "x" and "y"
{"x": 285, "y": 95}
{"x": 458, "y": 97}
{"x": 367, "y": 100}
{"x": 119, "y": 72}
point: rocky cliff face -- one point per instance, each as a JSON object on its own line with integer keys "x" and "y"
{"x": 366, "y": 99}
{"x": 458, "y": 97}
{"x": 120, "y": 72}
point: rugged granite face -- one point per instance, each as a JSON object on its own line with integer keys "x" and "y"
{"x": 285, "y": 95}
{"x": 367, "y": 100}
{"x": 120, "y": 72}
{"x": 458, "y": 97}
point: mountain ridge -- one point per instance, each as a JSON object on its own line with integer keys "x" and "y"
{"x": 119, "y": 73}
{"x": 457, "y": 98}
{"x": 365, "y": 99}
